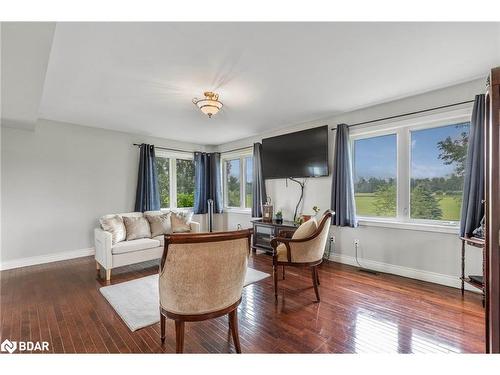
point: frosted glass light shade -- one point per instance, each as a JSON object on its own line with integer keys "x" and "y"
{"x": 210, "y": 105}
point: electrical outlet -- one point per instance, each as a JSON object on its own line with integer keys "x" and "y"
{"x": 356, "y": 242}
{"x": 332, "y": 239}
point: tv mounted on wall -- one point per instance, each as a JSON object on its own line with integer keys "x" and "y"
{"x": 299, "y": 154}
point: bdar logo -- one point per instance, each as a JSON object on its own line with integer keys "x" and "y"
{"x": 8, "y": 346}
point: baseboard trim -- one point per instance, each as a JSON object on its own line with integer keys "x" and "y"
{"x": 48, "y": 258}
{"x": 412, "y": 273}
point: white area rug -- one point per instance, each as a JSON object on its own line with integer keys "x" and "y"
{"x": 137, "y": 301}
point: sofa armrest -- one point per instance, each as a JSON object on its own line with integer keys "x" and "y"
{"x": 195, "y": 227}
{"x": 103, "y": 243}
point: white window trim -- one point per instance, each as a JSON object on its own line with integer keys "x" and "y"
{"x": 241, "y": 155}
{"x": 403, "y": 129}
{"x": 172, "y": 166}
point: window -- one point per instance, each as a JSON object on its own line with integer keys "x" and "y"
{"x": 175, "y": 179}
{"x": 412, "y": 171}
{"x": 238, "y": 180}
{"x": 248, "y": 181}
{"x": 233, "y": 183}
{"x": 163, "y": 172}
{"x": 185, "y": 182}
{"x": 375, "y": 176}
{"x": 438, "y": 158}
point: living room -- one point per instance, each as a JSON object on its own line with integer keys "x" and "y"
{"x": 205, "y": 187}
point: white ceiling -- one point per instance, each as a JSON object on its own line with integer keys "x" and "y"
{"x": 141, "y": 77}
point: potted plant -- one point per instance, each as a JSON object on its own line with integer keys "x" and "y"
{"x": 299, "y": 220}
{"x": 279, "y": 217}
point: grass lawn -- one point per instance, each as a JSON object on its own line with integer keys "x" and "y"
{"x": 364, "y": 204}
{"x": 450, "y": 206}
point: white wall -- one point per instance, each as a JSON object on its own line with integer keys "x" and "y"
{"x": 420, "y": 254}
{"x": 58, "y": 180}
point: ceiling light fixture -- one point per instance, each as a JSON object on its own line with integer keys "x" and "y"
{"x": 209, "y": 105}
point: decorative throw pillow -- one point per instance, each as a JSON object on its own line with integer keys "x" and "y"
{"x": 114, "y": 225}
{"x": 137, "y": 227}
{"x": 159, "y": 224}
{"x": 306, "y": 229}
{"x": 180, "y": 221}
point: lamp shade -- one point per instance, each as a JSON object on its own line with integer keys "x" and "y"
{"x": 210, "y": 105}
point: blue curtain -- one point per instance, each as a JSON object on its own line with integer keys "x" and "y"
{"x": 342, "y": 202}
{"x": 147, "y": 197}
{"x": 472, "y": 204}
{"x": 207, "y": 182}
{"x": 259, "y": 185}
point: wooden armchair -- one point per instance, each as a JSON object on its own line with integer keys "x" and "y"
{"x": 201, "y": 277}
{"x": 291, "y": 250}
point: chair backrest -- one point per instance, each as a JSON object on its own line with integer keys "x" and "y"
{"x": 312, "y": 248}
{"x": 203, "y": 272}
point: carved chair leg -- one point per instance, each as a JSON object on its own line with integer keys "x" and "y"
{"x": 162, "y": 327}
{"x": 233, "y": 324}
{"x": 315, "y": 282}
{"x": 97, "y": 266}
{"x": 179, "y": 336}
{"x": 283, "y": 272}
{"x": 317, "y": 275}
{"x": 275, "y": 278}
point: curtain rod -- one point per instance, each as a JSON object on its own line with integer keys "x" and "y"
{"x": 191, "y": 151}
{"x": 409, "y": 113}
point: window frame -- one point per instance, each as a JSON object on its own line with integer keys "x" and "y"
{"x": 240, "y": 155}
{"x": 173, "y": 156}
{"x": 403, "y": 129}
{"x": 375, "y": 135}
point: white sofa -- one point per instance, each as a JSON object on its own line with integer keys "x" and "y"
{"x": 109, "y": 255}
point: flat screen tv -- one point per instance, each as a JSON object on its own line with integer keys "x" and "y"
{"x": 299, "y": 154}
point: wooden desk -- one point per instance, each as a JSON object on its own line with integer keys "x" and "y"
{"x": 475, "y": 281}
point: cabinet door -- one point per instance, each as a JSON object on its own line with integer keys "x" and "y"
{"x": 262, "y": 235}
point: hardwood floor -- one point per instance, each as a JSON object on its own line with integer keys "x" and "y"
{"x": 60, "y": 303}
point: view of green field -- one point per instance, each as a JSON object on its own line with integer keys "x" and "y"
{"x": 449, "y": 204}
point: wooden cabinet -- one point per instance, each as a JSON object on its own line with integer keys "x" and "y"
{"x": 263, "y": 232}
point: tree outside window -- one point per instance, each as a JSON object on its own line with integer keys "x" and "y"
{"x": 238, "y": 182}
{"x": 438, "y": 157}
{"x": 248, "y": 181}
{"x": 233, "y": 182}
{"x": 163, "y": 173}
{"x": 185, "y": 182}
{"x": 375, "y": 169}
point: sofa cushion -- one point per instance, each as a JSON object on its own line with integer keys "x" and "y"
{"x": 114, "y": 225}
{"x": 180, "y": 221}
{"x": 134, "y": 245}
{"x": 161, "y": 239}
{"x": 137, "y": 227}
{"x": 305, "y": 230}
{"x": 159, "y": 223}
